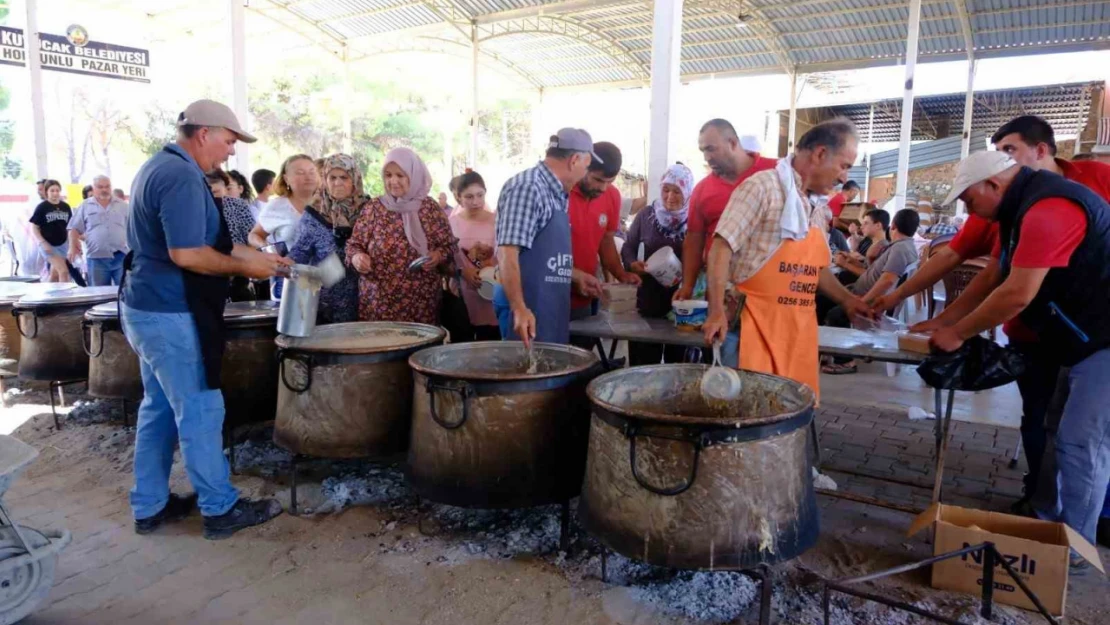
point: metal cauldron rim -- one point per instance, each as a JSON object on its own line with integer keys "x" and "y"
{"x": 416, "y": 362}
{"x": 63, "y": 297}
{"x": 434, "y": 334}
{"x": 808, "y": 397}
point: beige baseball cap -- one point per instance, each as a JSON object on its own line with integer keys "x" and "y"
{"x": 977, "y": 168}
{"x": 216, "y": 115}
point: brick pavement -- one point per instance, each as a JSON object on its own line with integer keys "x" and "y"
{"x": 885, "y": 444}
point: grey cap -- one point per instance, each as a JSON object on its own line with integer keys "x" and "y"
{"x": 213, "y": 114}
{"x": 576, "y": 140}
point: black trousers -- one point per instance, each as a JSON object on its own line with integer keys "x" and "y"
{"x": 1037, "y": 386}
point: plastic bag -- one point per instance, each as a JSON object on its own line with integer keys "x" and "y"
{"x": 978, "y": 365}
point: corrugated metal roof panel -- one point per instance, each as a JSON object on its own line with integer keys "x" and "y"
{"x": 821, "y": 34}
{"x": 922, "y": 155}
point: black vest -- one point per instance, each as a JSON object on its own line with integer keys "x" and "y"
{"x": 1071, "y": 312}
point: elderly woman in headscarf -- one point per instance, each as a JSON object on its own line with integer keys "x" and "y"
{"x": 326, "y": 228}
{"x": 660, "y": 225}
{"x": 401, "y": 227}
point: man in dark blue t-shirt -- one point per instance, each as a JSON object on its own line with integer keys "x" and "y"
{"x": 172, "y": 310}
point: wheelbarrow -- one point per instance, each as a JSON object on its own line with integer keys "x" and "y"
{"x": 27, "y": 555}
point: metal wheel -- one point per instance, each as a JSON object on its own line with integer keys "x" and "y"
{"x": 22, "y": 588}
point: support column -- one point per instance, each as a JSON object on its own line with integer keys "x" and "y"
{"x": 348, "y": 129}
{"x": 792, "y": 122}
{"x": 907, "y": 106}
{"x": 34, "y": 66}
{"x": 870, "y": 149}
{"x": 239, "y": 79}
{"x": 969, "y": 109}
{"x": 474, "y": 95}
{"x": 666, "y": 50}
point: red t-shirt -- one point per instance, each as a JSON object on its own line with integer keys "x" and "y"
{"x": 836, "y": 204}
{"x": 710, "y": 197}
{"x": 589, "y": 221}
{"x": 1091, "y": 174}
{"x": 1050, "y": 232}
{"x": 977, "y": 238}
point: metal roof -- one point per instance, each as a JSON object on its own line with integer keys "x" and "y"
{"x": 1065, "y": 107}
{"x": 922, "y": 155}
{"x": 554, "y": 43}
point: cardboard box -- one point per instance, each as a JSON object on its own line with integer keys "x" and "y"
{"x": 1037, "y": 550}
{"x": 854, "y": 211}
{"x": 913, "y": 342}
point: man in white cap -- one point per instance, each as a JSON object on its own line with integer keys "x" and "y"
{"x": 534, "y": 244}
{"x": 1054, "y": 273}
{"x": 171, "y": 303}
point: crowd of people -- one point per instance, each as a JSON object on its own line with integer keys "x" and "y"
{"x": 763, "y": 240}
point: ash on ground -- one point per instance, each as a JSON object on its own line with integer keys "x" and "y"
{"x": 97, "y": 411}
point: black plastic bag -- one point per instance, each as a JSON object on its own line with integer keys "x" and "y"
{"x": 979, "y": 364}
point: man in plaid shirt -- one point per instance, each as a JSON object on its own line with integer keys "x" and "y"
{"x": 533, "y": 244}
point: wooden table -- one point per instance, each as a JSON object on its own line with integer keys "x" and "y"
{"x": 878, "y": 346}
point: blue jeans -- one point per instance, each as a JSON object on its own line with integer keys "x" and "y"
{"x": 1082, "y": 449}
{"x": 730, "y": 350}
{"x": 106, "y": 271}
{"x": 177, "y": 407}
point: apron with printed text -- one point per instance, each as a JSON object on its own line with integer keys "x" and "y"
{"x": 778, "y": 324}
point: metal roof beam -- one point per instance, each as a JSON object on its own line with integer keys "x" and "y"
{"x": 566, "y": 28}
{"x": 964, "y": 11}
{"x": 551, "y": 9}
{"x": 858, "y": 11}
{"x": 362, "y": 13}
{"x": 430, "y": 48}
{"x": 758, "y": 24}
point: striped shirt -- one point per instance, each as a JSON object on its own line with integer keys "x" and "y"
{"x": 750, "y": 223}
{"x": 527, "y": 202}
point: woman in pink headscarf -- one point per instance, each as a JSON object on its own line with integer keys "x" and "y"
{"x": 395, "y": 230}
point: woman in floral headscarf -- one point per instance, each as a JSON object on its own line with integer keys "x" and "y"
{"x": 326, "y": 229}
{"x": 395, "y": 230}
{"x": 662, "y": 224}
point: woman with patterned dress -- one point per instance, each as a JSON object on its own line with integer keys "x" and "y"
{"x": 326, "y": 228}
{"x": 401, "y": 226}
{"x": 237, "y": 214}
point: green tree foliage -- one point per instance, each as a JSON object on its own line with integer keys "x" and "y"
{"x": 155, "y": 130}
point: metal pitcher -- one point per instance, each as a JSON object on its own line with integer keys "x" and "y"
{"x": 300, "y": 297}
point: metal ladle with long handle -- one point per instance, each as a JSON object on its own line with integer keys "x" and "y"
{"x": 718, "y": 382}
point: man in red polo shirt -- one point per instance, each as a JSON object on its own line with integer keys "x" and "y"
{"x": 595, "y": 212}
{"x": 729, "y": 165}
{"x": 1030, "y": 141}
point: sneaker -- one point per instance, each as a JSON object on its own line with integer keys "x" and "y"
{"x": 1102, "y": 534}
{"x": 176, "y": 509}
{"x": 245, "y": 513}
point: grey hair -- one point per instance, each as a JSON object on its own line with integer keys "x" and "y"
{"x": 101, "y": 177}
{"x": 832, "y": 134}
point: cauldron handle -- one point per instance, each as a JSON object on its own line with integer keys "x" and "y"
{"x": 304, "y": 359}
{"x": 464, "y": 390}
{"x": 86, "y": 340}
{"x": 631, "y": 432}
{"x": 19, "y": 324}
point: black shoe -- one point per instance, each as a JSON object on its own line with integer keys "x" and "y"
{"x": 245, "y": 513}
{"x": 1102, "y": 534}
{"x": 176, "y": 509}
{"x": 1023, "y": 507}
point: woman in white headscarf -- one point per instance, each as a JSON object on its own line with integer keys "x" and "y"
{"x": 394, "y": 231}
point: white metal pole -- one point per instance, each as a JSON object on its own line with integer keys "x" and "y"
{"x": 870, "y": 149}
{"x": 348, "y": 129}
{"x": 666, "y": 50}
{"x": 239, "y": 79}
{"x": 34, "y": 65}
{"x": 474, "y": 95}
{"x": 969, "y": 109}
{"x": 907, "y": 106}
{"x": 792, "y": 123}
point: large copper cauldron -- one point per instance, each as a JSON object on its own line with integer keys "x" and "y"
{"x": 346, "y": 391}
{"x": 676, "y": 481}
{"x": 488, "y": 433}
{"x": 249, "y": 376}
{"x": 49, "y": 324}
{"x": 11, "y": 290}
{"x": 113, "y": 365}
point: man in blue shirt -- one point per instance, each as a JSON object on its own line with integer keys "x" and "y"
{"x": 171, "y": 306}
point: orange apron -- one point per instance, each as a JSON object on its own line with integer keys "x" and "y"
{"x": 778, "y": 324}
